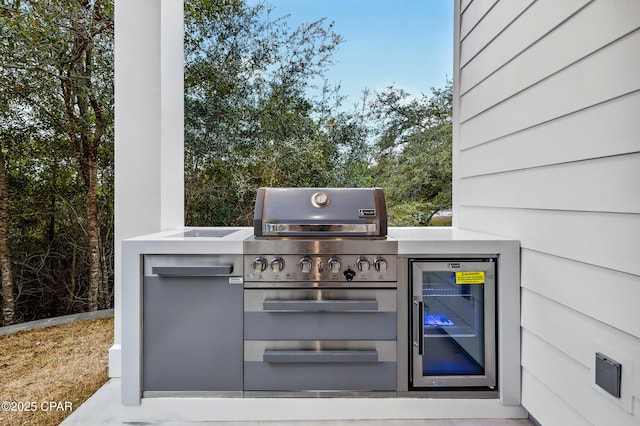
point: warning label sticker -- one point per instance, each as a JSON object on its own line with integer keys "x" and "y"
{"x": 476, "y": 277}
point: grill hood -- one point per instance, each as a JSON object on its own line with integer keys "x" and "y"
{"x": 320, "y": 212}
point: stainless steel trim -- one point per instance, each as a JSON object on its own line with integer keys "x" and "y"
{"x": 320, "y": 228}
{"x": 319, "y": 285}
{"x": 320, "y": 211}
{"x": 254, "y": 350}
{"x": 420, "y": 319}
{"x": 379, "y": 300}
{"x": 193, "y": 394}
{"x": 489, "y": 378}
{"x": 415, "y": 325}
{"x": 193, "y": 264}
{"x": 306, "y": 357}
{"x": 320, "y": 305}
{"x": 320, "y": 245}
{"x": 317, "y": 267}
{"x": 215, "y": 270}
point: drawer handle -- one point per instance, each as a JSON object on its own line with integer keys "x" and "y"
{"x": 320, "y": 356}
{"x": 320, "y": 305}
{"x": 201, "y": 271}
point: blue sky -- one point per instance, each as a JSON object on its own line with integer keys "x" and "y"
{"x": 405, "y": 42}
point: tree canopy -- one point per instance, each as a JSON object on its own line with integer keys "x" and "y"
{"x": 56, "y": 78}
{"x": 251, "y": 118}
{"x": 414, "y": 153}
{"x": 258, "y": 112}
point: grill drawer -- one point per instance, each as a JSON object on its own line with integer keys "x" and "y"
{"x": 320, "y": 314}
{"x": 319, "y": 365}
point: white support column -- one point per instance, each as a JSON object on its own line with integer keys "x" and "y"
{"x": 149, "y": 129}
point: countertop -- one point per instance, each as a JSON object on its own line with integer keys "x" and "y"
{"x": 447, "y": 240}
{"x": 228, "y": 240}
{"x": 192, "y": 240}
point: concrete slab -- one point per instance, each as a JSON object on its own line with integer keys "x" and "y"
{"x": 104, "y": 408}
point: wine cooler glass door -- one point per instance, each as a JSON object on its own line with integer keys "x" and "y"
{"x": 453, "y": 323}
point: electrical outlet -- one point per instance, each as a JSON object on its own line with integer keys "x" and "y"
{"x": 608, "y": 374}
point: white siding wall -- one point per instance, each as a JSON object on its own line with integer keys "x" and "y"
{"x": 547, "y": 150}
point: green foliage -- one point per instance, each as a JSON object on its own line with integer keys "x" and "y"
{"x": 252, "y": 120}
{"x": 414, "y": 145}
{"x": 249, "y": 118}
{"x": 56, "y": 132}
{"x": 258, "y": 112}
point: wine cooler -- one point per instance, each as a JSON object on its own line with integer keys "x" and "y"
{"x": 453, "y": 327}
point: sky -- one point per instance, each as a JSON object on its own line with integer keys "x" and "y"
{"x": 408, "y": 43}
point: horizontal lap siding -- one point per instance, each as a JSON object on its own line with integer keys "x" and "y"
{"x": 571, "y": 382}
{"x": 536, "y": 21}
{"x": 562, "y": 47}
{"x": 550, "y": 409}
{"x": 607, "y": 129}
{"x": 607, "y": 240}
{"x": 560, "y": 279}
{"x": 489, "y": 26}
{"x": 547, "y": 151}
{"x": 604, "y": 75}
{"x": 583, "y": 185}
{"x": 562, "y": 358}
{"x": 473, "y": 13}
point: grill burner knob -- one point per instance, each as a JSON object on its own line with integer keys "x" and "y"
{"x": 277, "y": 264}
{"x": 334, "y": 265}
{"x": 380, "y": 264}
{"x": 305, "y": 264}
{"x": 259, "y": 264}
{"x": 363, "y": 264}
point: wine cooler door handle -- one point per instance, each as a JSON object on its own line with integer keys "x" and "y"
{"x": 418, "y": 314}
{"x": 420, "y": 327}
{"x": 418, "y": 319}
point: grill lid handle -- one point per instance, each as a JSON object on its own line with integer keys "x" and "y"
{"x": 320, "y": 305}
{"x": 346, "y": 228}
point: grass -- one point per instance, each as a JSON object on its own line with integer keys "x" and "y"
{"x": 47, "y": 373}
{"x": 441, "y": 221}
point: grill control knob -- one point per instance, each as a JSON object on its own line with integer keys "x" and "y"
{"x": 277, "y": 264}
{"x": 334, "y": 265}
{"x": 363, "y": 264}
{"x": 259, "y": 264}
{"x": 305, "y": 264}
{"x": 380, "y": 264}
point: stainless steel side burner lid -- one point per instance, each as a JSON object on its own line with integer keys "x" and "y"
{"x": 320, "y": 212}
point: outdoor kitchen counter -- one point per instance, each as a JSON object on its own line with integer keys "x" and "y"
{"x": 228, "y": 240}
{"x": 413, "y": 243}
{"x": 447, "y": 240}
{"x": 192, "y": 240}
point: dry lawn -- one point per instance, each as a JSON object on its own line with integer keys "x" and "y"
{"x": 441, "y": 221}
{"x": 48, "y": 372}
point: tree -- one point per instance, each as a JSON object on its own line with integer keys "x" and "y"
{"x": 8, "y": 297}
{"x": 414, "y": 146}
{"x": 57, "y": 59}
{"x": 258, "y": 111}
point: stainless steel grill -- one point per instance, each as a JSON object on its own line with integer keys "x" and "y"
{"x": 320, "y": 292}
{"x": 324, "y": 212}
{"x": 320, "y": 237}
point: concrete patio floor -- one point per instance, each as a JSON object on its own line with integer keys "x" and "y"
{"x": 103, "y": 408}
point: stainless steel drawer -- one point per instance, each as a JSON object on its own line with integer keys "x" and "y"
{"x": 319, "y": 365}
{"x": 339, "y": 314}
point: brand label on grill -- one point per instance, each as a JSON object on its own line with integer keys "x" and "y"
{"x": 366, "y": 212}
